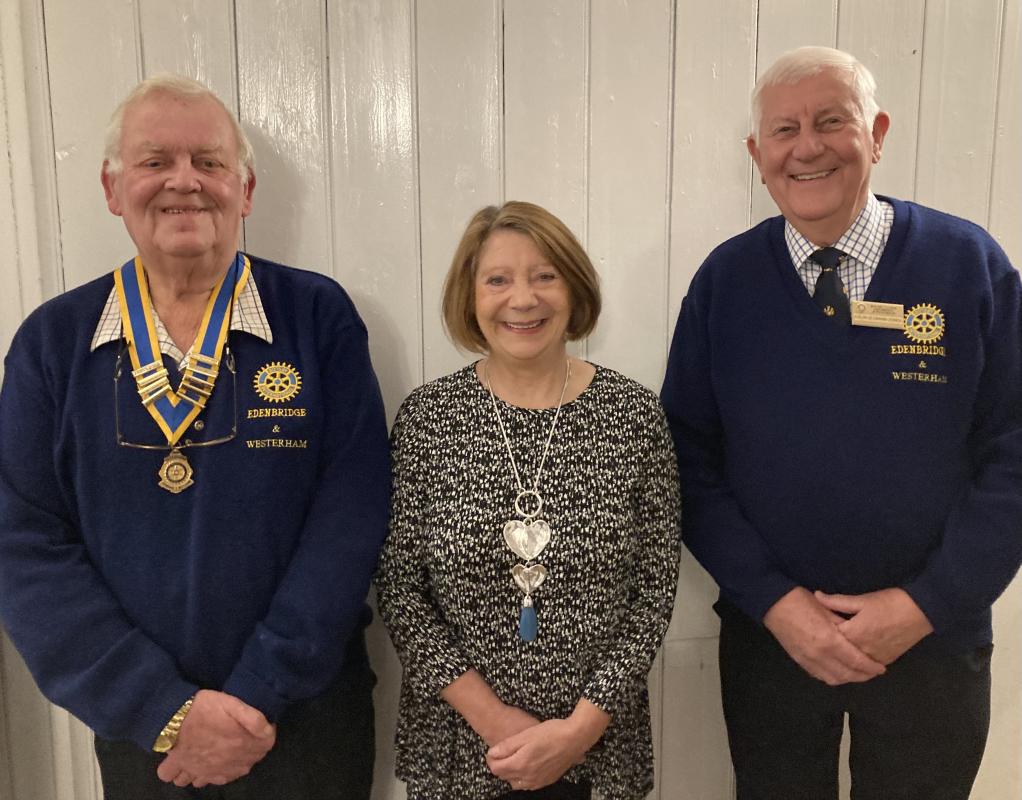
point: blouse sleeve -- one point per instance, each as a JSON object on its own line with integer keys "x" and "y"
{"x": 627, "y": 654}
{"x": 428, "y": 649}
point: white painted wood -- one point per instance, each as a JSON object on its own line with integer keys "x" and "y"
{"x": 375, "y": 215}
{"x": 957, "y": 107}
{"x": 31, "y": 761}
{"x": 888, "y": 39}
{"x": 30, "y": 143}
{"x": 459, "y": 52}
{"x": 283, "y": 100}
{"x": 1000, "y": 774}
{"x": 193, "y": 38}
{"x": 545, "y": 99}
{"x": 695, "y": 764}
{"x": 92, "y": 52}
{"x": 715, "y": 63}
{"x": 1005, "y": 197}
{"x": 382, "y": 125}
{"x": 631, "y": 73}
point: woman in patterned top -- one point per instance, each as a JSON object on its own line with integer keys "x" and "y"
{"x": 530, "y": 570}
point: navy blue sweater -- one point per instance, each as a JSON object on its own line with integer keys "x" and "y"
{"x": 123, "y": 598}
{"x": 851, "y": 459}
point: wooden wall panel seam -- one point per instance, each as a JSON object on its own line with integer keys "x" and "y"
{"x": 999, "y": 76}
{"x": 413, "y": 34}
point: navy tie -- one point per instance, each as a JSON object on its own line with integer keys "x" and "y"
{"x": 830, "y": 294}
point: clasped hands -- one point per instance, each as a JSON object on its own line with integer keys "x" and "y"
{"x": 840, "y": 638}
{"x": 221, "y": 739}
{"x": 530, "y": 754}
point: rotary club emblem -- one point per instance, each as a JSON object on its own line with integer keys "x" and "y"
{"x": 277, "y": 382}
{"x": 924, "y": 323}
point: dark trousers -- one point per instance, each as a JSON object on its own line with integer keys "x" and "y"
{"x": 917, "y": 732}
{"x": 562, "y": 790}
{"x": 324, "y": 751}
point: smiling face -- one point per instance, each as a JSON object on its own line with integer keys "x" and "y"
{"x": 179, "y": 190}
{"x": 522, "y": 302}
{"x": 815, "y": 153}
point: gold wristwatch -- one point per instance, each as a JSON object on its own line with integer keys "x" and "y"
{"x": 168, "y": 736}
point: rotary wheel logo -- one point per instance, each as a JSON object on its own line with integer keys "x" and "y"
{"x": 277, "y": 382}
{"x": 924, "y": 323}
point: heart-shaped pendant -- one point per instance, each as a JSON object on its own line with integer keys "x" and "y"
{"x": 527, "y": 540}
{"x": 528, "y": 578}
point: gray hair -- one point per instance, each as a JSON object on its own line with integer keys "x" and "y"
{"x": 805, "y": 62}
{"x": 176, "y": 86}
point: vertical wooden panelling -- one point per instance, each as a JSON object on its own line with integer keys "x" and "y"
{"x": 631, "y": 71}
{"x": 957, "y": 107}
{"x": 12, "y": 307}
{"x": 380, "y": 127}
{"x": 376, "y": 244}
{"x": 714, "y": 69}
{"x": 282, "y": 99}
{"x": 545, "y": 92}
{"x": 193, "y": 38}
{"x": 375, "y": 210}
{"x": 1006, "y": 190}
{"x": 695, "y": 764}
{"x": 93, "y": 61}
{"x": 33, "y": 766}
{"x": 1001, "y": 772}
{"x": 888, "y": 39}
{"x": 458, "y": 72}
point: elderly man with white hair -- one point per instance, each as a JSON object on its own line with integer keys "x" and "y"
{"x": 845, "y": 393}
{"x": 194, "y": 486}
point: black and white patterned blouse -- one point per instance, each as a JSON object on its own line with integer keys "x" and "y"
{"x": 610, "y": 491}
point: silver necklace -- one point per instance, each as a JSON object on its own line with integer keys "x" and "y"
{"x": 527, "y": 537}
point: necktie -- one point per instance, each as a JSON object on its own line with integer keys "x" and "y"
{"x": 830, "y": 293}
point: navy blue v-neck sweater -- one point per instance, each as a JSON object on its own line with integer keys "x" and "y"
{"x": 849, "y": 458}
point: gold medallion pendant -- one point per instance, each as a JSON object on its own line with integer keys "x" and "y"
{"x": 175, "y": 472}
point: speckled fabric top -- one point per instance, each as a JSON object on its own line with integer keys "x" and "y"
{"x": 446, "y": 593}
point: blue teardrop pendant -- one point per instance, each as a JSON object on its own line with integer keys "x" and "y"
{"x": 528, "y": 626}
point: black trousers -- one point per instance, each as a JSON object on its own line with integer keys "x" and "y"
{"x": 917, "y": 732}
{"x": 324, "y": 751}
{"x": 562, "y": 790}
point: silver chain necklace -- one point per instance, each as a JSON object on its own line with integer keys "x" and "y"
{"x": 527, "y": 537}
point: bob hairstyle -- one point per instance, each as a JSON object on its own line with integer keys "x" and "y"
{"x": 805, "y": 62}
{"x": 175, "y": 86}
{"x": 554, "y": 241}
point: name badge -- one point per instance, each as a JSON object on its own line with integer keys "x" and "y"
{"x": 878, "y": 315}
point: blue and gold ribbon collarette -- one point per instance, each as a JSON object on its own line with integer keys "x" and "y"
{"x": 173, "y": 410}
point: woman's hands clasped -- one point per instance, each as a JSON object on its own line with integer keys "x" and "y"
{"x": 541, "y": 753}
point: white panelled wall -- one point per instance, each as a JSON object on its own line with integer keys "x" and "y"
{"x": 380, "y": 126}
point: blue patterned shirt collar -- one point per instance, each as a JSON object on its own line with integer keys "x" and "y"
{"x": 863, "y": 244}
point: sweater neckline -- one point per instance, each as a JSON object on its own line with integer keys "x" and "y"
{"x": 830, "y": 335}
{"x": 469, "y": 374}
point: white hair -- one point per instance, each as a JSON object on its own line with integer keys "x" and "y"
{"x": 805, "y": 62}
{"x": 176, "y": 86}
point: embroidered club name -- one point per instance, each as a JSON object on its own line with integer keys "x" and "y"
{"x": 921, "y": 377}
{"x": 259, "y": 413}
{"x": 256, "y": 444}
{"x": 917, "y": 350}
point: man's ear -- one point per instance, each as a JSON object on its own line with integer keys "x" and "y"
{"x": 881, "y": 125}
{"x": 108, "y": 179}
{"x": 246, "y": 207}
{"x": 750, "y": 145}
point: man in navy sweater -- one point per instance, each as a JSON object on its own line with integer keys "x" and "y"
{"x": 845, "y": 392}
{"x": 194, "y": 486}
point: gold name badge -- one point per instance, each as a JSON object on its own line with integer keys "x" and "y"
{"x": 878, "y": 315}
